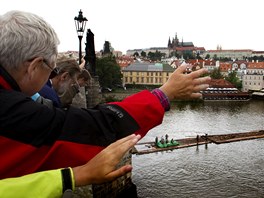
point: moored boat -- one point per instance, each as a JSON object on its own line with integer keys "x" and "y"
{"x": 159, "y": 144}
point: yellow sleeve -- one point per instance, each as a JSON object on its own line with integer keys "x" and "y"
{"x": 38, "y": 185}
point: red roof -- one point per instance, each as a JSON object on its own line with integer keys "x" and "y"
{"x": 224, "y": 67}
{"x": 255, "y": 65}
{"x": 220, "y": 83}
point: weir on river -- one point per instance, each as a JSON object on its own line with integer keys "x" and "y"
{"x": 151, "y": 147}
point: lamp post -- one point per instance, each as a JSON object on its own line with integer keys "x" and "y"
{"x": 80, "y": 23}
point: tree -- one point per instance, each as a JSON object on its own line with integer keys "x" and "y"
{"x": 143, "y": 54}
{"x": 232, "y": 78}
{"x": 175, "y": 54}
{"x": 215, "y": 57}
{"x": 216, "y": 74}
{"x": 225, "y": 59}
{"x": 187, "y": 54}
{"x": 136, "y": 54}
{"x": 108, "y": 71}
{"x": 207, "y": 56}
{"x": 198, "y": 56}
{"x": 156, "y": 56}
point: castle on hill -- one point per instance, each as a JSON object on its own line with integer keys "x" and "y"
{"x": 174, "y": 48}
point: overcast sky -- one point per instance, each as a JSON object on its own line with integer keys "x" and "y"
{"x": 133, "y": 24}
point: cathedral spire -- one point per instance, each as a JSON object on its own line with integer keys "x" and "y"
{"x": 169, "y": 43}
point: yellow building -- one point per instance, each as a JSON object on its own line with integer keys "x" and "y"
{"x": 140, "y": 73}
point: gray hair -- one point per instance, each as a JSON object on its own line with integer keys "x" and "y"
{"x": 69, "y": 65}
{"x": 24, "y": 36}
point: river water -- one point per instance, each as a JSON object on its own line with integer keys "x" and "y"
{"x": 227, "y": 170}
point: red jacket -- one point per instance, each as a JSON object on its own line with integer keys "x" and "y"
{"x": 35, "y": 138}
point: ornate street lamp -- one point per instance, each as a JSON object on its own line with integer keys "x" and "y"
{"x": 80, "y": 23}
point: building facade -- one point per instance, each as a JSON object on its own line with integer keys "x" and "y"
{"x": 253, "y": 80}
{"x": 140, "y": 73}
{"x": 232, "y": 54}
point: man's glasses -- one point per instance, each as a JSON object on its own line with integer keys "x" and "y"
{"x": 54, "y": 71}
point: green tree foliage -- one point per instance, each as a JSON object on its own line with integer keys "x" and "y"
{"x": 232, "y": 78}
{"x": 175, "y": 54}
{"x": 215, "y": 57}
{"x": 198, "y": 56}
{"x": 256, "y": 58}
{"x": 225, "y": 59}
{"x": 156, "y": 56}
{"x": 188, "y": 55}
{"x": 136, "y": 54}
{"x": 143, "y": 54}
{"x": 207, "y": 56}
{"x": 216, "y": 74}
{"x": 108, "y": 71}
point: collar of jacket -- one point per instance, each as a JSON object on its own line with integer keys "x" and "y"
{"x": 7, "y": 81}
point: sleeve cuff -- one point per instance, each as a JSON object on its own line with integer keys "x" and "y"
{"x": 67, "y": 179}
{"x": 164, "y": 100}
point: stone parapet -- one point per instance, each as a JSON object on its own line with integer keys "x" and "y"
{"x": 110, "y": 189}
{"x": 93, "y": 93}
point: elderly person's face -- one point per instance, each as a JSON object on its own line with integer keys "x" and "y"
{"x": 34, "y": 75}
{"x": 63, "y": 82}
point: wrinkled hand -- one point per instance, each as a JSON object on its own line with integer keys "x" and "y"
{"x": 102, "y": 167}
{"x": 185, "y": 86}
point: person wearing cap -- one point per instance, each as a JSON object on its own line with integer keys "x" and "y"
{"x": 73, "y": 92}
{"x": 66, "y": 73}
{"x": 36, "y": 138}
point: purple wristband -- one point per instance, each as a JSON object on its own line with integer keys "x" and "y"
{"x": 164, "y": 100}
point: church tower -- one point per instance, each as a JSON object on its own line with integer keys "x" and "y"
{"x": 176, "y": 40}
{"x": 169, "y": 43}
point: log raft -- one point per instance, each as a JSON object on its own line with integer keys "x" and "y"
{"x": 150, "y": 147}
